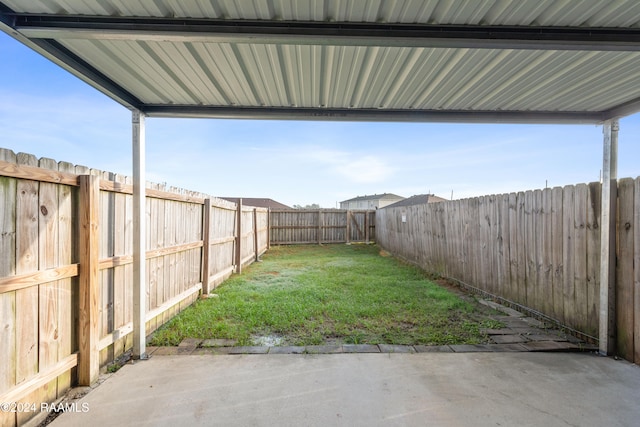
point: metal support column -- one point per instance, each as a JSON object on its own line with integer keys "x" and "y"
{"x": 608, "y": 238}
{"x": 139, "y": 229}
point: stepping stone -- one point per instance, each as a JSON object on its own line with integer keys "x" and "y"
{"x": 390, "y": 348}
{"x": 292, "y": 349}
{"x": 545, "y": 337}
{"x": 219, "y": 350}
{"x": 511, "y": 312}
{"x": 550, "y": 346}
{"x": 471, "y": 348}
{"x": 323, "y": 349}
{"x": 249, "y": 350}
{"x": 433, "y": 349}
{"x": 508, "y": 339}
{"x": 186, "y": 350}
{"x": 501, "y": 331}
{"x": 513, "y": 323}
{"x": 218, "y": 343}
{"x": 534, "y": 322}
{"x": 499, "y": 307}
{"x": 529, "y": 331}
{"x": 488, "y": 303}
{"x": 360, "y": 348}
{"x": 567, "y": 337}
{"x": 499, "y": 348}
{"x": 191, "y": 343}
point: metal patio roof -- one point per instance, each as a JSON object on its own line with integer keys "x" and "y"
{"x": 399, "y": 60}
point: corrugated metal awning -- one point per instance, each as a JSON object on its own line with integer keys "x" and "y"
{"x": 401, "y": 60}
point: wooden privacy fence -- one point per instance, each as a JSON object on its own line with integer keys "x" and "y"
{"x": 304, "y": 226}
{"x": 66, "y": 271}
{"x": 540, "y": 249}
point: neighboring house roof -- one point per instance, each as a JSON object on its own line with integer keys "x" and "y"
{"x": 258, "y": 202}
{"x": 384, "y": 196}
{"x": 418, "y": 199}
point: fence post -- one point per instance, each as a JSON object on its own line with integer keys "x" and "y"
{"x": 255, "y": 233}
{"x": 88, "y": 354}
{"x": 366, "y": 226}
{"x": 239, "y": 237}
{"x": 206, "y": 247}
{"x": 348, "y": 214}
{"x": 268, "y": 228}
{"x": 319, "y": 226}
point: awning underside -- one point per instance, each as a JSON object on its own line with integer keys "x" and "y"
{"x": 205, "y": 59}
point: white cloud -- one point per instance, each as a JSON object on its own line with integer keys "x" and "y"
{"x": 356, "y": 168}
{"x": 365, "y": 170}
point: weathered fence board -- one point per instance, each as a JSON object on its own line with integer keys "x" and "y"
{"x": 625, "y": 297}
{"x": 306, "y": 226}
{"x": 48, "y": 301}
{"x": 636, "y": 269}
{"x": 593, "y": 258}
{"x": 556, "y": 246}
{"x": 8, "y": 187}
{"x": 540, "y": 249}
{"x": 27, "y": 241}
{"x": 7, "y": 268}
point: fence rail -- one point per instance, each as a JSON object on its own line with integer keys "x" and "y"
{"x": 540, "y": 249}
{"x": 306, "y": 226}
{"x": 66, "y": 271}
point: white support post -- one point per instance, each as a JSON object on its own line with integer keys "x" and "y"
{"x": 139, "y": 229}
{"x": 608, "y": 238}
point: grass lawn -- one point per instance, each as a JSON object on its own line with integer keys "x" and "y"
{"x": 306, "y": 295}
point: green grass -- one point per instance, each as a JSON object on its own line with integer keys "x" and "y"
{"x": 331, "y": 294}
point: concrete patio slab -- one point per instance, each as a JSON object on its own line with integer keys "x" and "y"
{"x": 439, "y": 389}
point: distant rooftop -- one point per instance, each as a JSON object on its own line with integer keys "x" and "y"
{"x": 258, "y": 202}
{"x": 418, "y": 199}
{"x": 384, "y": 196}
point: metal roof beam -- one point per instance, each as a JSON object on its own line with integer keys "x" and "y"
{"x": 66, "y": 59}
{"x": 86, "y": 72}
{"x": 327, "y": 33}
{"x": 378, "y": 115}
{"x": 628, "y": 108}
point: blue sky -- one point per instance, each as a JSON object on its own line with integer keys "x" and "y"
{"x": 47, "y": 112}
